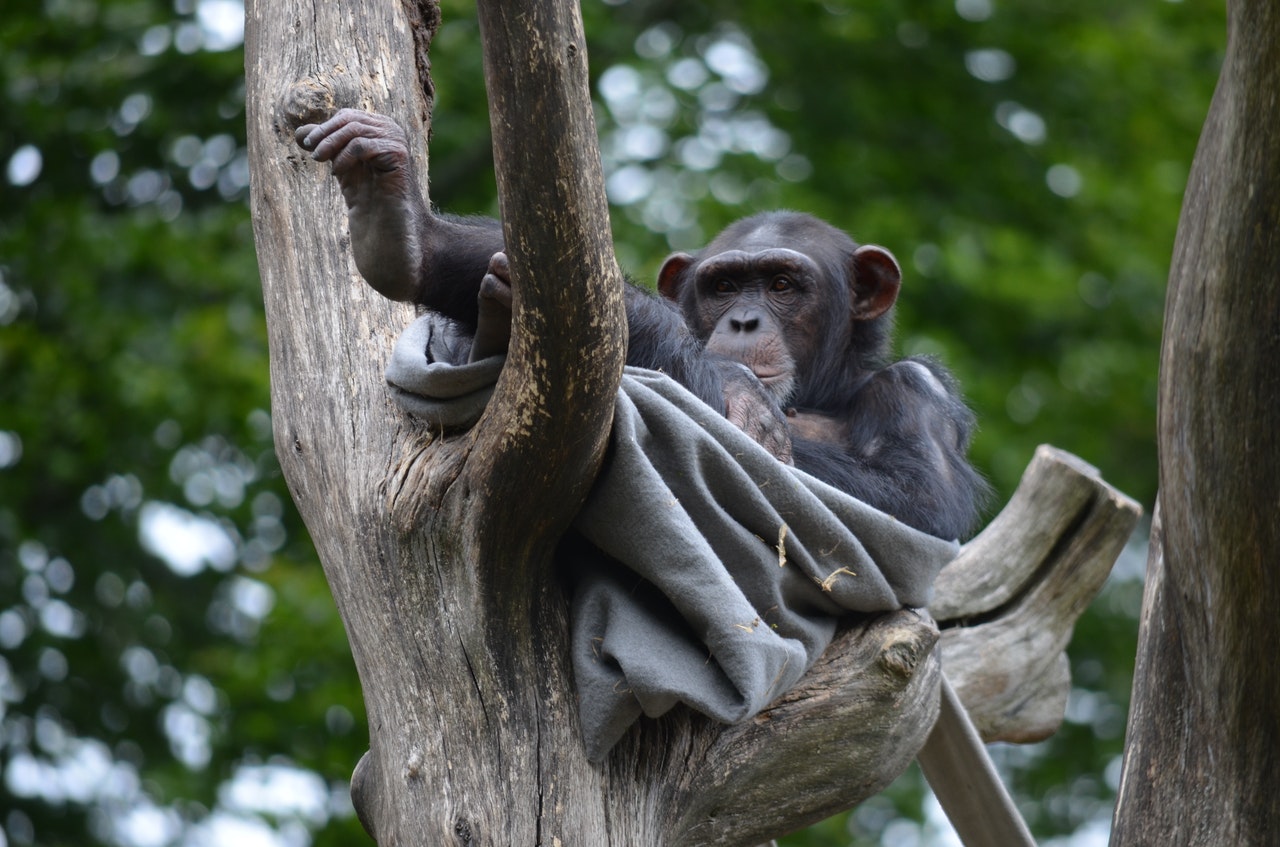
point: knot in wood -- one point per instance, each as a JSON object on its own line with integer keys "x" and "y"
{"x": 462, "y": 831}
{"x": 414, "y": 764}
{"x": 902, "y": 651}
{"x": 308, "y": 101}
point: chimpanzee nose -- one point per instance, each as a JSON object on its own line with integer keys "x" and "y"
{"x": 749, "y": 323}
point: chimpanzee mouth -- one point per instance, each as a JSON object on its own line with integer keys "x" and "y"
{"x": 778, "y": 383}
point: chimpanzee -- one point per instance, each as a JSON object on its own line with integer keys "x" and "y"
{"x": 809, "y": 311}
{"x": 796, "y": 301}
{"x": 408, "y": 253}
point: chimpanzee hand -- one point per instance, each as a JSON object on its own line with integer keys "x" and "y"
{"x": 751, "y": 408}
{"x": 369, "y": 152}
{"x": 493, "y": 329}
{"x": 370, "y": 157}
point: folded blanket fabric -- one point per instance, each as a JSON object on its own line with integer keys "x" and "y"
{"x": 706, "y": 572}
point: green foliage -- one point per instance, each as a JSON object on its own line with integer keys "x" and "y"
{"x": 171, "y": 665}
{"x": 133, "y": 408}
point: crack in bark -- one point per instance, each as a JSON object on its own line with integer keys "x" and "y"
{"x": 475, "y": 680}
{"x": 541, "y": 779}
{"x": 1036, "y": 578}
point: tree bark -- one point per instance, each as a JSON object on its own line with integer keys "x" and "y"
{"x": 438, "y": 550}
{"x": 1008, "y": 603}
{"x": 1202, "y": 760}
{"x": 439, "y": 564}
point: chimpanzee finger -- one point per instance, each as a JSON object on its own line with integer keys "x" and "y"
{"x": 775, "y": 439}
{"x": 301, "y": 134}
{"x": 759, "y": 421}
{"x": 379, "y": 154}
{"x": 493, "y": 324}
{"x": 331, "y": 145}
{"x": 776, "y": 443}
{"x": 500, "y": 266}
{"x": 497, "y": 289}
{"x": 312, "y": 134}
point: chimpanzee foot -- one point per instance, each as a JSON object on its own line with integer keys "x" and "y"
{"x": 493, "y": 327}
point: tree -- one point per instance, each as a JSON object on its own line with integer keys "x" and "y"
{"x": 200, "y": 674}
{"x": 441, "y": 567}
{"x": 1204, "y": 731}
{"x": 437, "y": 526}
{"x": 438, "y": 550}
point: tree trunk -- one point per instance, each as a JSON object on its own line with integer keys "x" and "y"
{"x": 438, "y": 550}
{"x": 1202, "y": 760}
{"x": 440, "y": 568}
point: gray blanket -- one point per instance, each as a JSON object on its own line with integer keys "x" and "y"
{"x": 707, "y": 572}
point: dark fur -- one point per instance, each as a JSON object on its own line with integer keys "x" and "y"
{"x": 894, "y": 435}
{"x": 659, "y": 339}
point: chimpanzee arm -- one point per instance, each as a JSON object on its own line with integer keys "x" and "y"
{"x": 907, "y": 435}
{"x": 407, "y": 252}
{"x": 659, "y": 339}
{"x": 401, "y": 248}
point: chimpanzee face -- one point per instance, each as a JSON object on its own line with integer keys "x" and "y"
{"x": 784, "y": 297}
{"x": 754, "y": 306}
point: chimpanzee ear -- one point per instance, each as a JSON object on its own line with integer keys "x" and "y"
{"x": 671, "y": 277}
{"x": 876, "y": 281}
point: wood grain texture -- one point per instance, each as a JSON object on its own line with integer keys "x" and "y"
{"x": 1202, "y": 758}
{"x": 1008, "y": 603}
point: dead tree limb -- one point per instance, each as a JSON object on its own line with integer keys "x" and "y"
{"x": 438, "y": 549}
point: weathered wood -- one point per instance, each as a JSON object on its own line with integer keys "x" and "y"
{"x": 437, "y": 549}
{"x": 1008, "y": 603}
{"x": 1203, "y": 740}
{"x": 964, "y": 779}
{"x": 845, "y": 733}
{"x": 1056, "y": 491}
{"x": 458, "y": 633}
{"x": 567, "y": 288}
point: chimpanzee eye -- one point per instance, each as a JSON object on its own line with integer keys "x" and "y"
{"x": 724, "y": 286}
{"x": 781, "y": 283}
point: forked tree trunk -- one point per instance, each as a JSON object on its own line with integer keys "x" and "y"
{"x": 438, "y": 549}
{"x": 1202, "y": 760}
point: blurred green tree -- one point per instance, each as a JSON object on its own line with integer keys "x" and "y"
{"x": 171, "y": 667}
